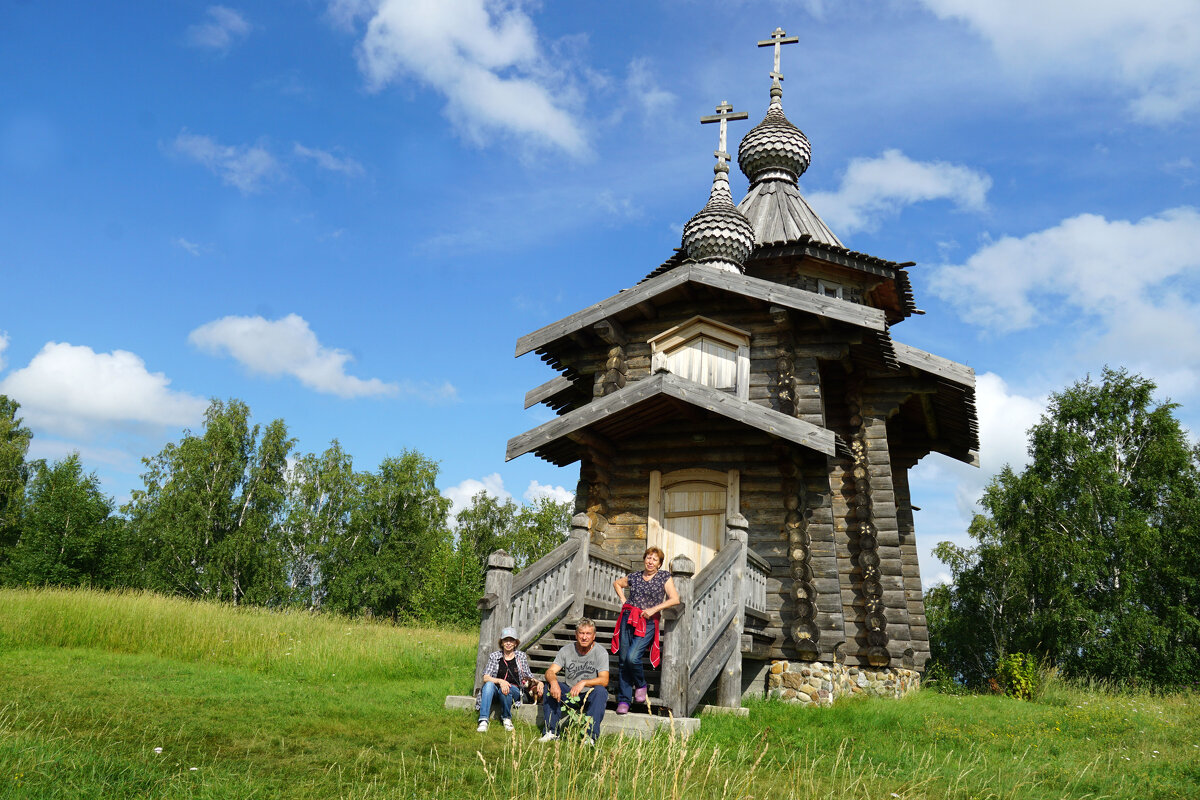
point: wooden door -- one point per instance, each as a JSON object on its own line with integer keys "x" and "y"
{"x": 687, "y": 513}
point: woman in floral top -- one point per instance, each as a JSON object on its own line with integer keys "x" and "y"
{"x": 643, "y": 596}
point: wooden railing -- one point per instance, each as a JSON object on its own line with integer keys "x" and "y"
{"x": 701, "y": 636}
{"x": 703, "y": 641}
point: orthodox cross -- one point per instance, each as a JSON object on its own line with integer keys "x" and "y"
{"x": 724, "y": 113}
{"x": 777, "y": 38}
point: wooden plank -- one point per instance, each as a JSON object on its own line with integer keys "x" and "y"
{"x": 766, "y": 420}
{"x": 952, "y": 371}
{"x": 547, "y": 390}
{"x": 767, "y": 291}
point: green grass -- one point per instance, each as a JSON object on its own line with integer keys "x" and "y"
{"x": 251, "y": 704}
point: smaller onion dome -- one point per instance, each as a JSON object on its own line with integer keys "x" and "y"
{"x": 719, "y": 235}
{"x": 774, "y": 148}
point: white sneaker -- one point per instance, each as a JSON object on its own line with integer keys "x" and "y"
{"x": 548, "y": 736}
{"x": 508, "y": 726}
{"x": 483, "y": 725}
{"x": 588, "y": 742}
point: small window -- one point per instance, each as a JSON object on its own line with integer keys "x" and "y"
{"x": 707, "y": 352}
{"x": 829, "y": 289}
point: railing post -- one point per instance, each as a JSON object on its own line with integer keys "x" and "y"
{"x": 677, "y": 649}
{"x": 579, "y": 579}
{"x": 729, "y": 690}
{"x": 497, "y": 594}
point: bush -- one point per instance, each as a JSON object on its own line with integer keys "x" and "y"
{"x": 1018, "y": 675}
{"x": 938, "y": 678}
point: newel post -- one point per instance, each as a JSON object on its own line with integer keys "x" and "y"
{"x": 581, "y": 535}
{"x": 729, "y": 690}
{"x": 677, "y": 647}
{"x": 497, "y": 594}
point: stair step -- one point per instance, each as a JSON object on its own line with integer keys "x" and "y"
{"x": 633, "y": 724}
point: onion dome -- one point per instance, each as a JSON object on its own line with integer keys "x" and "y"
{"x": 774, "y": 148}
{"x": 719, "y": 235}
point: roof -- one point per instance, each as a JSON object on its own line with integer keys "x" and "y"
{"x": 647, "y": 402}
{"x": 756, "y": 288}
{"x": 952, "y": 404}
{"x": 779, "y": 214}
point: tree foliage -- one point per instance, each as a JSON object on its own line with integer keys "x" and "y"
{"x": 228, "y": 514}
{"x": 1085, "y": 558}
{"x": 14, "y": 472}
{"x": 66, "y": 532}
{"x": 207, "y": 513}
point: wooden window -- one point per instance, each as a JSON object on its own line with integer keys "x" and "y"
{"x": 707, "y": 352}
{"x": 687, "y": 513}
{"x": 829, "y": 289}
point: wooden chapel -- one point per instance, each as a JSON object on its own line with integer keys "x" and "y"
{"x": 745, "y": 408}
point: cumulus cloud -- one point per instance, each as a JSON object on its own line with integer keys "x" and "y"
{"x": 1150, "y": 49}
{"x": 1131, "y": 275}
{"x": 328, "y": 161}
{"x": 246, "y": 167}
{"x": 71, "y": 390}
{"x": 874, "y": 188}
{"x": 286, "y": 347}
{"x": 220, "y": 30}
{"x": 461, "y": 494}
{"x": 484, "y": 57}
{"x": 557, "y": 494}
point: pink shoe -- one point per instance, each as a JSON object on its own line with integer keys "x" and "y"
{"x": 639, "y": 695}
{"x": 622, "y": 708}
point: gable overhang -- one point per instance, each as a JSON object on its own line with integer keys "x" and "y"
{"x": 713, "y": 278}
{"x": 645, "y": 403}
{"x": 952, "y": 405}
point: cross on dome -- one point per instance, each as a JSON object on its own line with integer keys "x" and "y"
{"x": 724, "y": 113}
{"x": 778, "y": 37}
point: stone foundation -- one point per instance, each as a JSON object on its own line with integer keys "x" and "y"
{"x": 819, "y": 684}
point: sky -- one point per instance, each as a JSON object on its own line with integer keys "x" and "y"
{"x": 345, "y": 213}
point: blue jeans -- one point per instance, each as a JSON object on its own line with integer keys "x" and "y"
{"x": 629, "y": 657}
{"x": 491, "y": 691}
{"x": 592, "y": 699}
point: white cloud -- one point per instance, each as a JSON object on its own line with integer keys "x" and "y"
{"x": 72, "y": 389}
{"x": 460, "y": 495}
{"x": 558, "y": 494}
{"x": 1150, "y": 49}
{"x": 3, "y": 346}
{"x": 246, "y": 167}
{"x": 484, "y": 57}
{"x": 287, "y": 347}
{"x": 644, "y": 88}
{"x": 223, "y": 27}
{"x": 190, "y": 247}
{"x": 873, "y": 188}
{"x": 1130, "y": 279}
{"x": 326, "y": 160}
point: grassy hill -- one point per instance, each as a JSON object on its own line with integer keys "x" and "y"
{"x": 246, "y": 703}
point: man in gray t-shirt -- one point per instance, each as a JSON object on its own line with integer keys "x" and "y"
{"x": 585, "y": 668}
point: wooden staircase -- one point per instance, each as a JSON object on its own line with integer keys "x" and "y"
{"x": 722, "y": 613}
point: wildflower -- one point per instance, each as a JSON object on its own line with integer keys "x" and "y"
{"x": 192, "y": 769}
{"x": 158, "y": 750}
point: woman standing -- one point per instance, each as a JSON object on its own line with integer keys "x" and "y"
{"x": 507, "y": 670}
{"x": 643, "y": 597}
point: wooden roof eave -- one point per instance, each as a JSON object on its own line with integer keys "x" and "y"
{"x": 700, "y": 274}
{"x": 666, "y": 384}
{"x": 953, "y": 403}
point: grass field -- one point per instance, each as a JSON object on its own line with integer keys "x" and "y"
{"x": 139, "y": 696}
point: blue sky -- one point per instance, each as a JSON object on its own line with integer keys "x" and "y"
{"x": 346, "y": 213}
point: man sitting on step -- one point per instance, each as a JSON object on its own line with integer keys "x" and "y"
{"x": 585, "y": 667}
